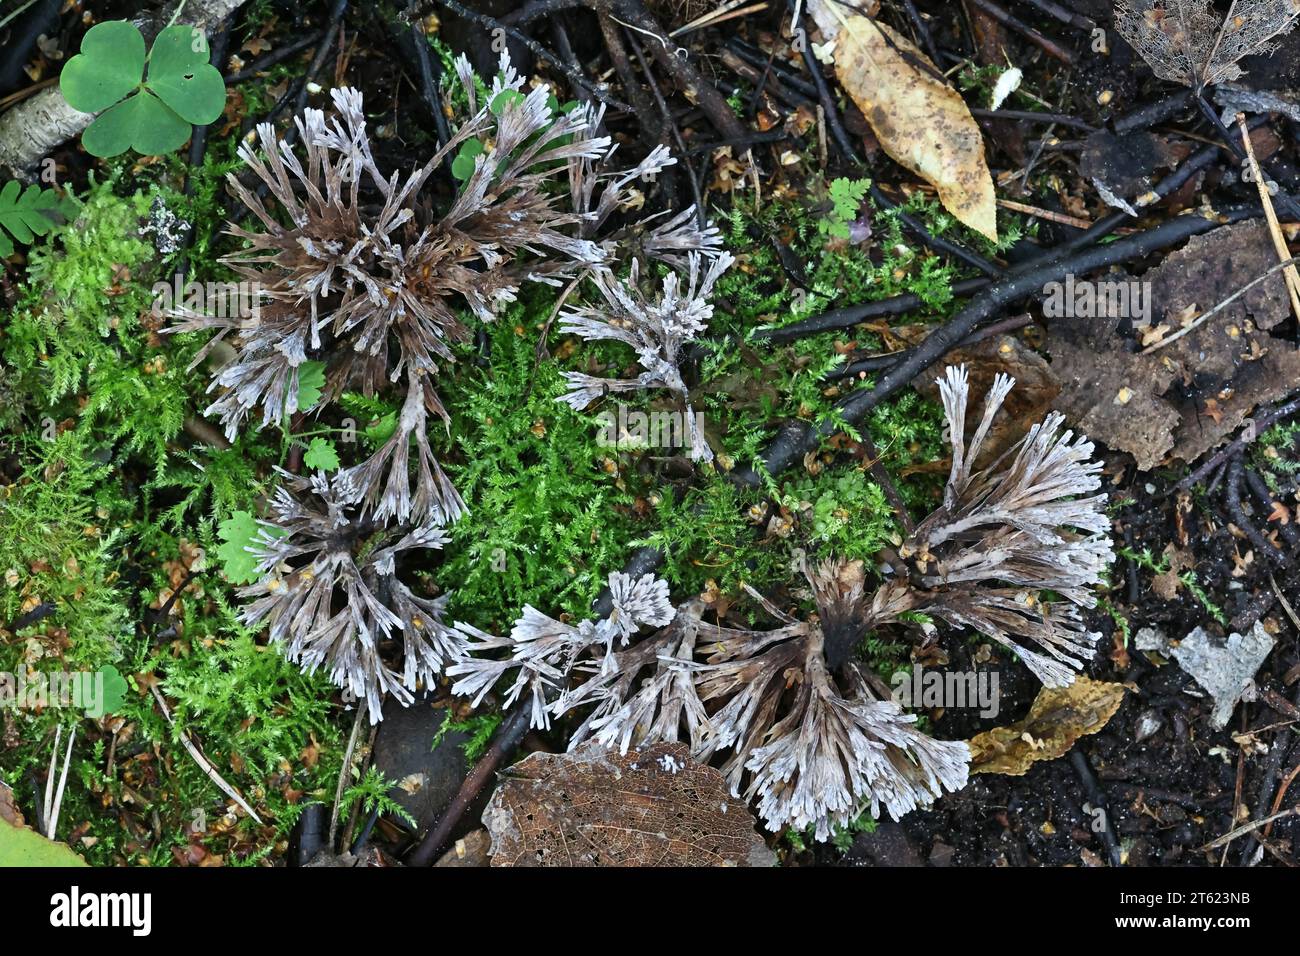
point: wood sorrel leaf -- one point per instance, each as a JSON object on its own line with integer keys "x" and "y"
{"x": 140, "y": 122}
{"x": 179, "y": 72}
{"x": 108, "y": 67}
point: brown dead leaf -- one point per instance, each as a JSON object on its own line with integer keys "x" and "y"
{"x": 1188, "y": 396}
{"x": 1166, "y": 585}
{"x": 1142, "y": 426}
{"x": 650, "y": 807}
{"x": 1058, "y": 717}
{"x": 922, "y": 123}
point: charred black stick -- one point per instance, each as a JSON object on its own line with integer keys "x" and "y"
{"x": 849, "y": 316}
{"x": 782, "y": 72}
{"x": 318, "y": 61}
{"x": 1232, "y": 504}
{"x": 34, "y": 616}
{"x": 922, "y": 31}
{"x": 830, "y": 113}
{"x": 1266, "y": 499}
{"x": 1150, "y": 114}
{"x": 1033, "y": 117}
{"x": 1060, "y": 13}
{"x": 914, "y": 226}
{"x": 1048, "y": 45}
{"x": 875, "y": 363}
{"x": 431, "y": 86}
{"x": 1256, "y": 427}
{"x": 797, "y": 438}
{"x": 776, "y": 87}
{"x": 537, "y": 9}
{"x": 1097, "y": 800}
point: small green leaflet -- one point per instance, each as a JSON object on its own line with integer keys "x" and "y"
{"x": 846, "y": 196}
{"x": 503, "y": 100}
{"x": 238, "y": 532}
{"x": 381, "y": 418}
{"x": 311, "y": 380}
{"x": 462, "y": 167}
{"x": 382, "y": 429}
{"x": 28, "y": 213}
{"x": 114, "y": 693}
{"x": 321, "y": 455}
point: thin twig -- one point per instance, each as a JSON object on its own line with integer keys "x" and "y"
{"x": 201, "y": 760}
{"x": 1248, "y": 828}
{"x": 343, "y": 772}
{"x": 1206, "y": 316}
{"x": 52, "y": 821}
{"x": 1274, "y": 229}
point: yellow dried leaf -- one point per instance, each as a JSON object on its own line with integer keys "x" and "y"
{"x": 1058, "y": 717}
{"x": 922, "y": 123}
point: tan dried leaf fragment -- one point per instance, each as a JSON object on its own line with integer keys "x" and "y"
{"x": 922, "y": 123}
{"x": 1059, "y": 716}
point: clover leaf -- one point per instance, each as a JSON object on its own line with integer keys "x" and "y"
{"x": 152, "y": 114}
{"x": 182, "y": 77}
{"x": 108, "y": 67}
{"x": 141, "y": 123}
{"x": 114, "y": 695}
{"x": 462, "y": 167}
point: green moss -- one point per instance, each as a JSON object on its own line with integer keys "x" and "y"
{"x": 550, "y": 512}
{"x": 63, "y": 530}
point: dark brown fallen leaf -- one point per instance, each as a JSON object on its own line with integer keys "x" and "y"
{"x": 1058, "y": 717}
{"x": 650, "y": 807}
{"x": 1187, "y": 397}
{"x": 1126, "y": 164}
{"x": 1167, "y": 583}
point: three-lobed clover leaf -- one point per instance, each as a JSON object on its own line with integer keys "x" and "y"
{"x": 151, "y": 113}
